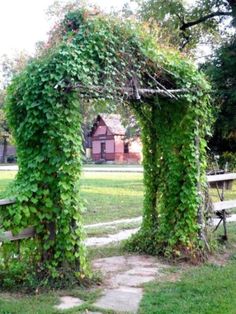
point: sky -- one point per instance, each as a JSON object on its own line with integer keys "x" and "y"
{"x": 25, "y": 22}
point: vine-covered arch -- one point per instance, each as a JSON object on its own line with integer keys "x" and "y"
{"x": 104, "y": 58}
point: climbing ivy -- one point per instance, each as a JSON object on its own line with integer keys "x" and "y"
{"x": 98, "y": 57}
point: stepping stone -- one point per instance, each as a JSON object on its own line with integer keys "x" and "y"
{"x": 141, "y": 261}
{"x": 143, "y": 271}
{"x": 68, "y": 303}
{"x": 124, "y": 299}
{"x": 110, "y": 264}
{"x": 130, "y": 280}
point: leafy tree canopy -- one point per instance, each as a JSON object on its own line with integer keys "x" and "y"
{"x": 8, "y": 68}
{"x": 186, "y": 23}
{"x": 223, "y": 77}
{"x": 11, "y": 66}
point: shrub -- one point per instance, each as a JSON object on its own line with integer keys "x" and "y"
{"x": 230, "y": 158}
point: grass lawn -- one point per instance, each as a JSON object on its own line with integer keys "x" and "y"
{"x": 44, "y": 303}
{"x": 108, "y": 196}
{"x": 6, "y": 177}
{"x": 112, "y": 196}
{"x": 205, "y": 289}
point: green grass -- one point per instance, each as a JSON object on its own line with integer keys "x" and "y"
{"x": 111, "y": 229}
{"x": 208, "y": 289}
{"x": 14, "y": 304}
{"x": 111, "y": 196}
{"x": 44, "y": 303}
{"x": 6, "y": 177}
{"x": 113, "y": 249}
{"x": 108, "y": 196}
{"x": 205, "y": 289}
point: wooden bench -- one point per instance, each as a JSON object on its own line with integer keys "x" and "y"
{"x": 28, "y": 232}
{"x": 222, "y": 181}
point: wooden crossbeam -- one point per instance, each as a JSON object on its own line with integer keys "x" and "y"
{"x": 6, "y": 201}
{"x": 224, "y": 205}
{"x": 130, "y": 90}
{"x": 221, "y": 177}
{"x": 24, "y": 234}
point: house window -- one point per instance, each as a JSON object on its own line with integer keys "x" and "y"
{"x": 126, "y": 148}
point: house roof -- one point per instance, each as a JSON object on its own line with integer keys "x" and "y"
{"x": 113, "y": 122}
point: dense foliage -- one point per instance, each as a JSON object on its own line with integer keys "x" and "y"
{"x": 104, "y": 58}
{"x": 8, "y": 68}
{"x": 206, "y": 289}
{"x": 228, "y": 159}
{"x": 188, "y": 23}
{"x": 222, "y": 74}
{"x": 4, "y": 129}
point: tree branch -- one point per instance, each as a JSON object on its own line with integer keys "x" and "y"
{"x": 202, "y": 19}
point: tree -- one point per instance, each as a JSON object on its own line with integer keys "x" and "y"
{"x": 223, "y": 77}
{"x": 187, "y": 25}
{"x": 9, "y": 68}
{"x": 4, "y": 129}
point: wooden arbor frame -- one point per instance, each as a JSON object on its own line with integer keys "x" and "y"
{"x": 50, "y": 92}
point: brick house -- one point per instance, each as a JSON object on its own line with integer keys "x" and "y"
{"x": 108, "y": 141}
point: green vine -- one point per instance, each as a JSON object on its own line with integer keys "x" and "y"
{"x": 97, "y": 58}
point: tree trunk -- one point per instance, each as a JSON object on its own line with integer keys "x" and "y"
{"x": 4, "y": 152}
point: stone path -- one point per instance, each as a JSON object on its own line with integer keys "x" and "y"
{"x": 68, "y": 302}
{"x": 124, "y": 277}
{"x": 122, "y": 286}
{"x": 89, "y": 169}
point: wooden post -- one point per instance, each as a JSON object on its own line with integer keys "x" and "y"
{"x": 200, "y": 214}
{"x": 225, "y": 237}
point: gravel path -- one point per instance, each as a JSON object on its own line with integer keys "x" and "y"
{"x": 125, "y": 234}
